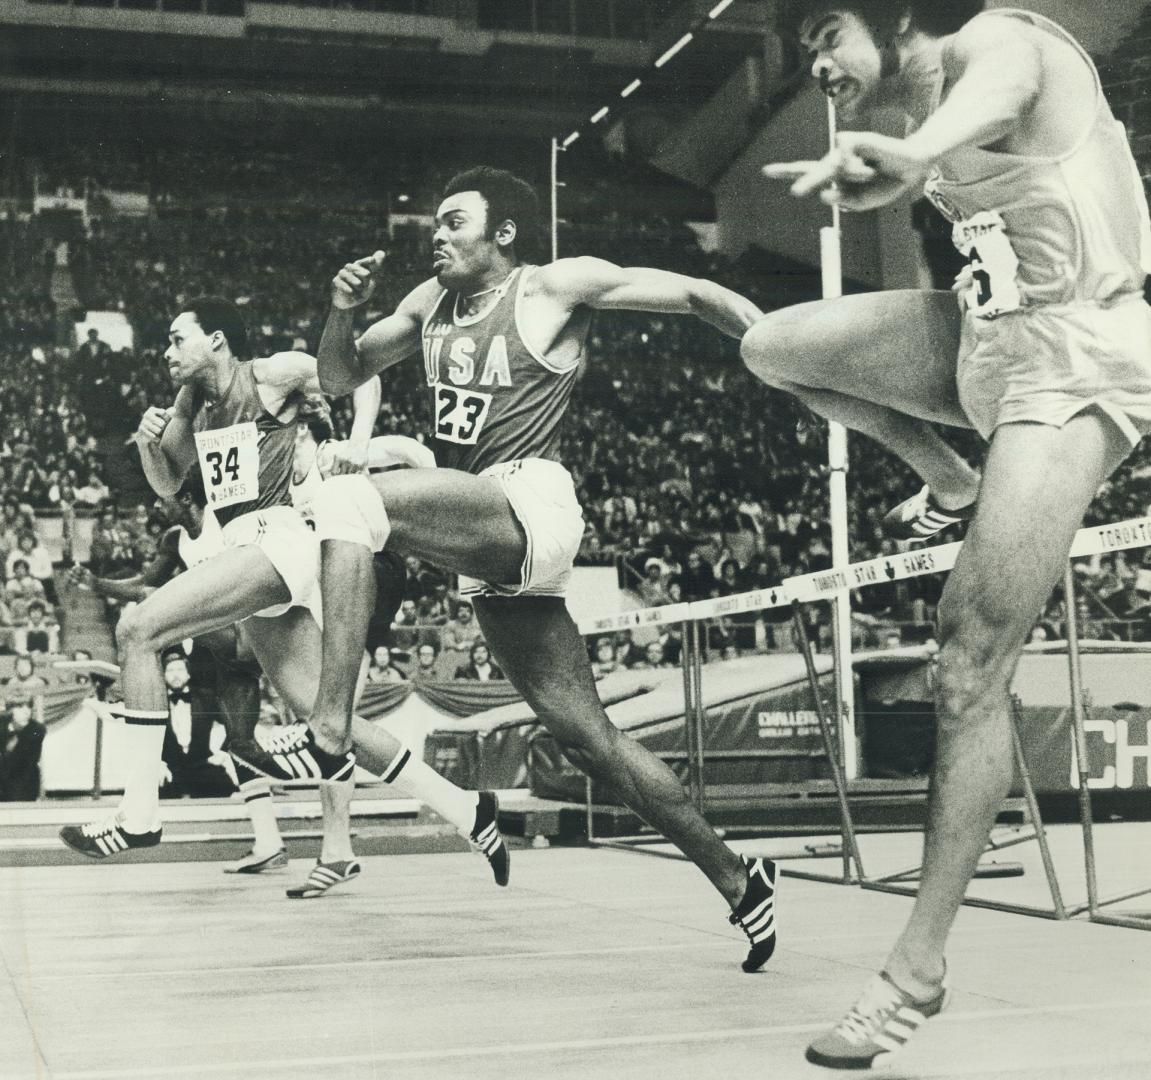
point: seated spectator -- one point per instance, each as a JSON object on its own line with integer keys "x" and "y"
{"x": 39, "y": 562}
{"x": 21, "y": 743}
{"x": 381, "y": 669}
{"x": 652, "y": 590}
{"x": 24, "y": 684}
{"x": 94, "y": 492}
{"x": 111, "y": 554}
{"x": 425, "y": 670}
{"x": 20, "y": 591}
{"x": 480, "y": 667}
{"x": 40, "y": 635}
{"x": 603, "y": 660}
{"x": 697, "y": 578}
{"x": 653, "y": 657}
{"x": 462, "y": 632}
{"x": 404, "y": 632}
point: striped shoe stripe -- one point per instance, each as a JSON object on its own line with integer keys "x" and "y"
{"x": 761, "y": 930}
{"x": 398, "y": 767}
{"x": 888, "y": 1043}
{"x": 899, "y": 1031}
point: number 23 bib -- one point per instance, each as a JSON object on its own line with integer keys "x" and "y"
{"x": 230, "y": 464}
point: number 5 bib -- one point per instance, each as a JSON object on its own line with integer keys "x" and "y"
{"x": 983, "y": 241}
{"x": 230, "y": 464}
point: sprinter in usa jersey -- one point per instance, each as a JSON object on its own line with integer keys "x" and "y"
{"x": 501, "y": 342}
{"x": 1045, "y": 349}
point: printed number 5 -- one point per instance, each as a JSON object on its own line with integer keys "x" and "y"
{"x": 982, "y": 279}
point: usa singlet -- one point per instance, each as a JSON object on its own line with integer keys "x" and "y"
{"x": 494, "y": 397}
{"x": 245, "y": 454}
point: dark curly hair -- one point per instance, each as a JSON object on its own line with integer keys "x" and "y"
{"x": 934, "y": 17}
{"x": 509, "y": 198}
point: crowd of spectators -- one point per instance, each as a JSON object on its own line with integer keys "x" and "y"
{"x": 696, "y": 480}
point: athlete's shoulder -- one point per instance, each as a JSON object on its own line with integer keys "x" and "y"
{"x": 287, "y": 370}
{"x": 421, "y": 301}
{"x": 575, "y": 279}
{"x": 990, "y": 33}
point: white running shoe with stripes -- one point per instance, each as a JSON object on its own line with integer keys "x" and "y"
{"x": 876, "y": 1028}
{"x": 258, "y": 864}
{"x": 920, "y": 518}
{"x": 325, "y": 876}
{"x": 103, "y": 839}
{"x": 294, "y": 755}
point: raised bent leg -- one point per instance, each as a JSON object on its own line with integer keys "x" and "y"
{"x": 206, "y": 597}
{"x": 541, "y": 652}
{"x": 882, "y": 364}
{"x": 1037, "y": 485}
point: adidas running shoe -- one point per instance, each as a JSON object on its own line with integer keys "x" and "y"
{"x": 294, "y": 755}
{"x": 876, "y": 1028}
{"x": 325, "y": 876}
{"x": 102, "y": 839}
{"x": 919, "y": 518}
{"x": 258, "y": 864}
{"x": 755, "y": 915}
{"x": 485, "y": 837}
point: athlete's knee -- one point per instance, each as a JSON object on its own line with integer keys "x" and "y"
{"x": 349, "y": 508}
{"x": 978, "y": 651}
{"x": 136, "y": 630}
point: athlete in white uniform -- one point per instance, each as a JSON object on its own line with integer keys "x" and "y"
{"x": 195, "y": 537}
{"x": 502, "y": 345}
{"x": 236, "y": 421}
{"x": 1047, "y": 353}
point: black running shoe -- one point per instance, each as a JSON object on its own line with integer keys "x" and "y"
{"x": 755, "y": 915}
{"x": 294, "y": 755}
{"x": 102, "y": 839}
{"x": 325, "y": 876}
{"x": 485, "y": 837}
{"x": 919, "y": 518}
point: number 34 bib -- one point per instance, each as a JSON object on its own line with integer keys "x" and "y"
{"x": 983, "y": 241}
{"x": 230, "y": 464}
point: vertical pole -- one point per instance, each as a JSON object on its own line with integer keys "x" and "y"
{"x": 555, "y": 162}
{"x": 98, "y": 759}
{"x": 1078, "y": 720}
{"x": 832, "y": 274}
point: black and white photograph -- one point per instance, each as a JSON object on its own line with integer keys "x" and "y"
{"x": 575, "y": 539}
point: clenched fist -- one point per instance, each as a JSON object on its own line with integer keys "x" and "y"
{"x": 356, "y": 281}
{"x": 152, "y": 424}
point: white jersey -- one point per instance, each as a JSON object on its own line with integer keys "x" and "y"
{"x": 1059, "y": 230}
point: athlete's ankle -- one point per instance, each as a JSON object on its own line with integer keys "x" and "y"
{"x": 332, "y": 736}
{"x": 921, "y": 976}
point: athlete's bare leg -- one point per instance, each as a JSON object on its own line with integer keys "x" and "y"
{"x": 882, "y": 364}
{"x": 213, "y": 594}
{"x": 464, "y": 523}
{"x": 1037, "y": 485}
{"x": 538, "y": 646}
{"x": 288, "y": 649}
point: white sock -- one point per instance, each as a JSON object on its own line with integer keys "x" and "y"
{"x": 413, "y": 777}
{"x": 257, "y": 795}
{"x": 143, "y": 752}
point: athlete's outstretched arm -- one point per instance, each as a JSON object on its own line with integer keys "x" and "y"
{"x": 155, "y": 572}
{"x": 996, "y": 73}
{"x": 604, "y": 286}
{"x": 345, "y": 362}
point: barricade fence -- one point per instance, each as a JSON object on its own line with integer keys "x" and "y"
{"x": 796, "y": 594}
